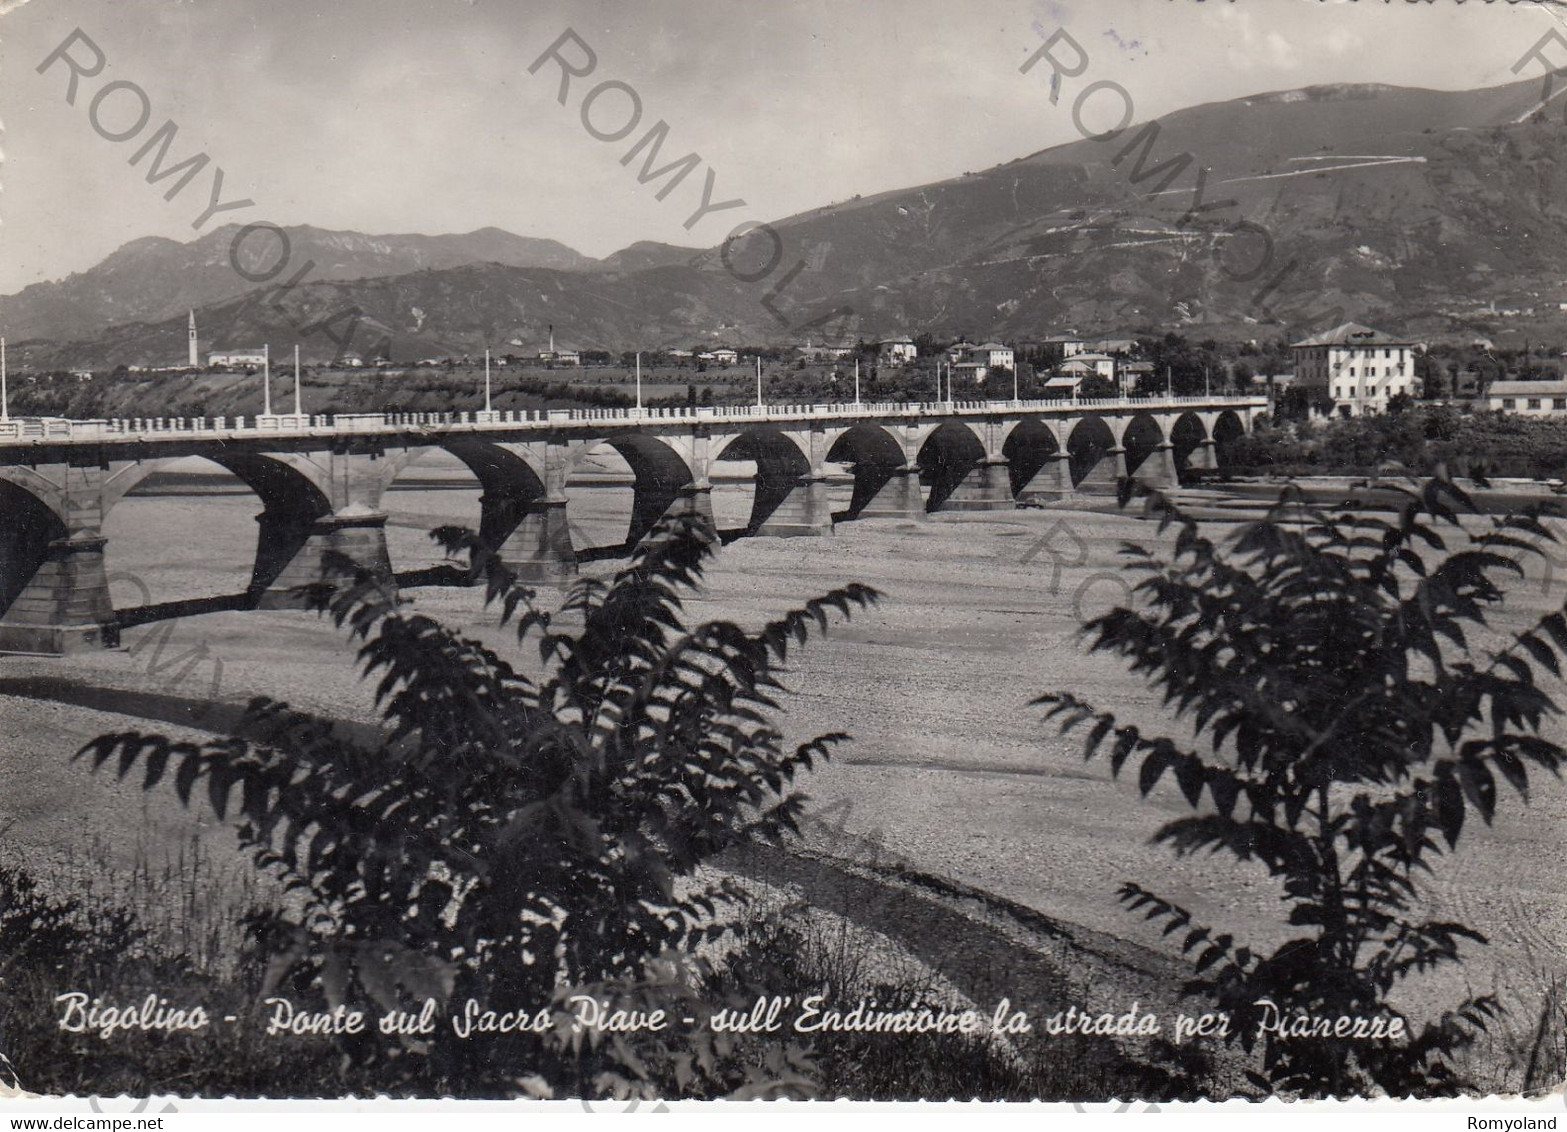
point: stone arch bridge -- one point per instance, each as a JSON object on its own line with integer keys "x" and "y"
{"x": 320, "y": 480}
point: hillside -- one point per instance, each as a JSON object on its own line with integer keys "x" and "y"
{"x": 152, "y": 279}
{"x": 1391, "y": 202}
{"x": 1399, "y": 207}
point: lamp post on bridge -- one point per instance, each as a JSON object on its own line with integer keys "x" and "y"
{"x": 297, "y": 411}
{"x": 639, "y": 381}
{"x": 759, "y": 383}
{"x": 856, "y": 381}
{"x": 486, "y": 383}
{"x": 266, "y": 380}
{"x": 5, "y": 397}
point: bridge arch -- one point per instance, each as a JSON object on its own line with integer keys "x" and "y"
{"x": 886, "y": 485}
{"x": 788, "y": 495}
{"x": 39, "y": 487}
{"x": 1227, "y": 429}
{"x": 666, "y": 481}
{"x": 947, "y": 456}
{"x": 1187, "y": 436}
{"x": 1141, "y": 436}
{"x": 1091, "y": 447}
{"x": 1031, "y": 447}
{"x": 522, "y": 516}
{"x": 296, "y": 512}
{"x": 35, "y": 524}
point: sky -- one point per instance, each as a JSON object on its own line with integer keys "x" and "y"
{"x": 387, "y": 116}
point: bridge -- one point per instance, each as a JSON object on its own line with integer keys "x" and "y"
{"x": 320, "y": 479}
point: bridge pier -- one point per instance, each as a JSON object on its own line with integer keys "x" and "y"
{"x": 986, "y": 487}
{"x": 1158, "y": 469}
{"x": 539, "y": 547}
{"x": 1104, "y": 479}
{"x": 653, "y": 501}
{"x": 54, "y": 591}
{"x": 804, "y": 509}
{"x": 1204, "y": 456}
{"x": 295, "y": 551}
{"x": 898, "y": 497}
{"x": 1052, "y": 483}
{"x": 522, "y": 513}
{"x": 65, "y": 606}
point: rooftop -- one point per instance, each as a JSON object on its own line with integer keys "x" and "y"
{"x": 1528, "y": 389}
{"x": 1352, "y": 334}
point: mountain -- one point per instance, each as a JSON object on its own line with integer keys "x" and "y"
{"x": 422, "y": 314}
{"x": 1397, "y": 207}
{"x": 151, "y": 279}
{"x": 1390, "y": 203}
{"x": 645, "y": 254}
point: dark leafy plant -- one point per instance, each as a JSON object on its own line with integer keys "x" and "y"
{"x": 1349, "y": 727}
{"x": 507, "y": 836}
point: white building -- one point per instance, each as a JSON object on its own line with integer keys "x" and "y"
{"x": 897, "y": 351}
{"x": 1130, "y": 374}
{"x": 724, "y": 356}
{"x": 1529, "y": 398}
{"x": 825, "y": 352}
{"x": 1083, "y": 365}
{"x": 1360, "y": 368}
{"x": 980, "y": 360}
{"x": 237, "y": 359}
{"x": 993, "y": 355}
{"x": 1071, "y": 345}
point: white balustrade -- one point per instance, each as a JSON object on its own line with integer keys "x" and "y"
{"x": 22, "y": 428}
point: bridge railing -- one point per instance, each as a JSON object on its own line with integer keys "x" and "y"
{"x": 38, "y": 429}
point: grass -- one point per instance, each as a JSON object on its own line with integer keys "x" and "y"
{"x": 797, "y": 951}
{"x": 187, "y": 901}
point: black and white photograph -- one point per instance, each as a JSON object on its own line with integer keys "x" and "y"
{"x": 632, "y": 553}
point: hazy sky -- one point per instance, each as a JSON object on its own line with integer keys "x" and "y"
{"x": 421, "y": 116}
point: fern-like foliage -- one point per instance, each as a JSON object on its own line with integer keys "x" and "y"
{"x": 511, "y": 833}
{"x": 1349, "y": 723}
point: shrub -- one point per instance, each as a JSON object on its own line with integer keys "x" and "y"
{"x": 510, "y": 836}
{"x": 1351, "y": 728}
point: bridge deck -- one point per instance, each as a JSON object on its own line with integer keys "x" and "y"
{"x": 54, "y": 430}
